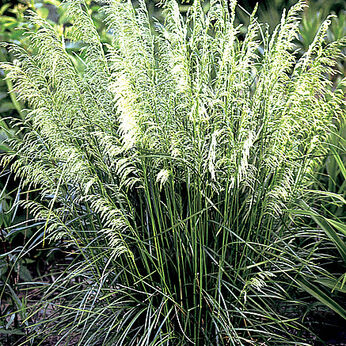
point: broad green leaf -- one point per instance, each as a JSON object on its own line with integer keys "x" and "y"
{"x": 24, "y": 273}
{"x": 322, "y": 222}
{"x": 338, "y": 225}
{"x": 43, "y": 12}
{"x": 11, "y": 332}
{"x": 322, "y": 297}
{"x": 3, "y": 8}
{"x": 335, "y": 285}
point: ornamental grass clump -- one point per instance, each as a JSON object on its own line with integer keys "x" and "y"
{"x": 167, "y": 164}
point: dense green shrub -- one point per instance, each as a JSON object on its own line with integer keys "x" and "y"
{"x": 168, "y": 166}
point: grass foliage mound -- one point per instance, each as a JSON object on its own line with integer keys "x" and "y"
{"x": 168, "y": 163}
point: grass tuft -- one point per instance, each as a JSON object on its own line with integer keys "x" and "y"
{"x": 169, "y": 166}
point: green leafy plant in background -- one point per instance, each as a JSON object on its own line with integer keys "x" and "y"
{"x": 174, "y": 169}
{"x": 16, "y": 225}
{"x": 10, "y": 31}
{"x": 328, "y": 216}
{"x": 312, "y": 18}
{"x": 13, "y": 26}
